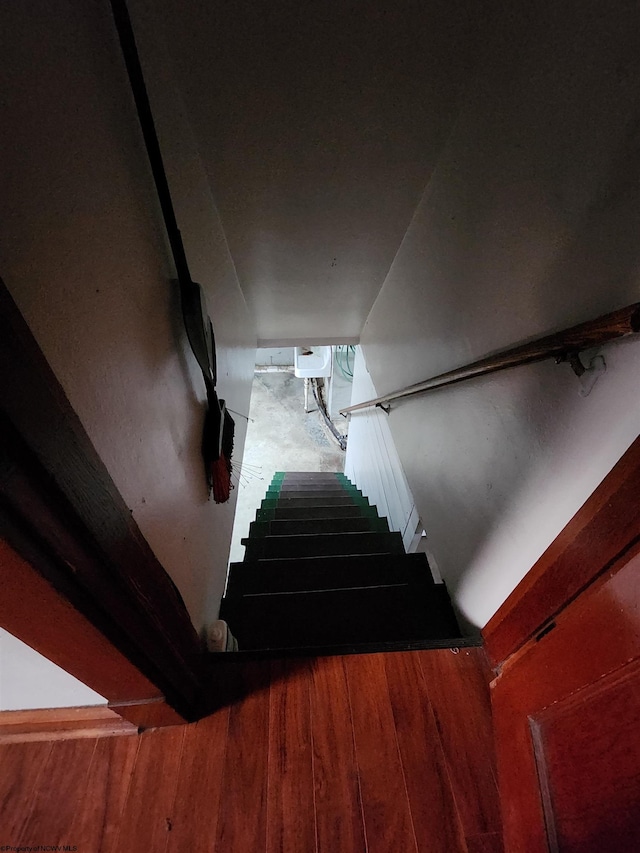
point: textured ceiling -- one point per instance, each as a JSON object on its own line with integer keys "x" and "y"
{"x": 319, "y": 125}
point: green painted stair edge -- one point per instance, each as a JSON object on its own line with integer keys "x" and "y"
{"x": 275, "y": 487}
{"x": 349, "y": 490}
{"x": 346, "y": 484}
{"x": 267, "y": 503}
{"x": 261, "y": 527}
{"x": 279, "y": 476}
{"x": 268, "y": 513}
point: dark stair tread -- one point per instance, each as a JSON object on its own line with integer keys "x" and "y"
{"x": 305, "y": 486}
{"x": 311, "y": 475}
{"x": 357, "y": 524}
{"x": 307, "y": 573}
{"x": 334, "y": 478}
{"x": 346, "y": 511}
{"x": 316, "y": 494}
{"x": 313, "y": 484}
{"x": 294, "y": 527}
{"x": 307, "y": 545}
{"x": 367, "y": 615}
{"x": 343, "y": 499}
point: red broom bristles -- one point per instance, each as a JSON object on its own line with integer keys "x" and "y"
{"x": 221, "y": 479}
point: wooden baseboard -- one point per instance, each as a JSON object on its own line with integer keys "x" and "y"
{"x": 148, "y": 713}
{"x": 62, "y": 724}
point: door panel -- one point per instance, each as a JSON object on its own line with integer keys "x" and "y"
{"x": 567, "y": 722}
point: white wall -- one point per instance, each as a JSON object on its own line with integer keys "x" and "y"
{"x": 372, "y": 461}
{"x": 29, "y": 680}
{"x": 84, "y": 254}
{"x": 529, "y": 224}
{"x": 319, "y": 124}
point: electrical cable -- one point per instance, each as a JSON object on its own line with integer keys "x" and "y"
{"x": 317, "y": 393}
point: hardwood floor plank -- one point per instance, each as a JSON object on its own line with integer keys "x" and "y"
{"x": 433, "y": 808}
{"x": 22, "y": 765}
{"x": 387, "y": 816}
{"x": 61, "y": 790}
{"x": 338, "y": 755}
{"x": 242, "y": 823}
{"x": 200, "y": 785}
{"x": 97, "y": 818}
{"x": 459, "y": 696}
{"x": 148, "y": 814}
{"x": 338, "y": 802}
{"x": 490, "y": 842}
{"x": 291, "y": 821}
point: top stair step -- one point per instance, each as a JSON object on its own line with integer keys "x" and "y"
{"x": 310, "y": 486}
{"x": 309, "y": 475}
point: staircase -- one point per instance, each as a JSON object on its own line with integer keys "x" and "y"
{"x": 323, "y": 571}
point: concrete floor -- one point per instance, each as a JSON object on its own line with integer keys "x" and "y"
{"x": 282, "y": 437}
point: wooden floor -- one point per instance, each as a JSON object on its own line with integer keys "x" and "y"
{"x": 387, "y": 753}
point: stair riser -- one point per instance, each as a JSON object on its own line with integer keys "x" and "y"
{"x": 308, "y": 475}
{"x": 334, "y": 493}
{"x": 305, "y": 486}
{"x": 271, "y": 547}
{"x": 296, "y": 527}
{"x": 344, "y": 616}
{"x": 350, "y": 511}
{"x": 292, "y": 481}
{"x": 251, "y": 578}
{"x": 343, "y": 500}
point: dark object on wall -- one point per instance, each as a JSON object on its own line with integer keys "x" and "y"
{"x": 217, "y": 448}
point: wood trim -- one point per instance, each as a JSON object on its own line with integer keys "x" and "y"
{"x": 62, "y": 724}
{"x": 148, "y": 713}
{"x": 563, "y": 346}
{"x": 32, "y": 610}
{"x": 605, "y": 529}
{"x": 60, "y": 509}
{"x": 36, "y": 613}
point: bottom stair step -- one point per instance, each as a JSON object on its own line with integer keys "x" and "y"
{"x": 337, "y": 617}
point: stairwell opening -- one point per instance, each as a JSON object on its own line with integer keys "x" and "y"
{"x": 314, "y": 567}
{"x": 281, "y": 436}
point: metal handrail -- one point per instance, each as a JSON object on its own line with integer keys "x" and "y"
{"x": 563, "y": 346}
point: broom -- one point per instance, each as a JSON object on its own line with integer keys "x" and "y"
{"x": 217, "y": 449}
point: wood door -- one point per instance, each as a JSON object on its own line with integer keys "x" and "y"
{"x": 567, "y": 722}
